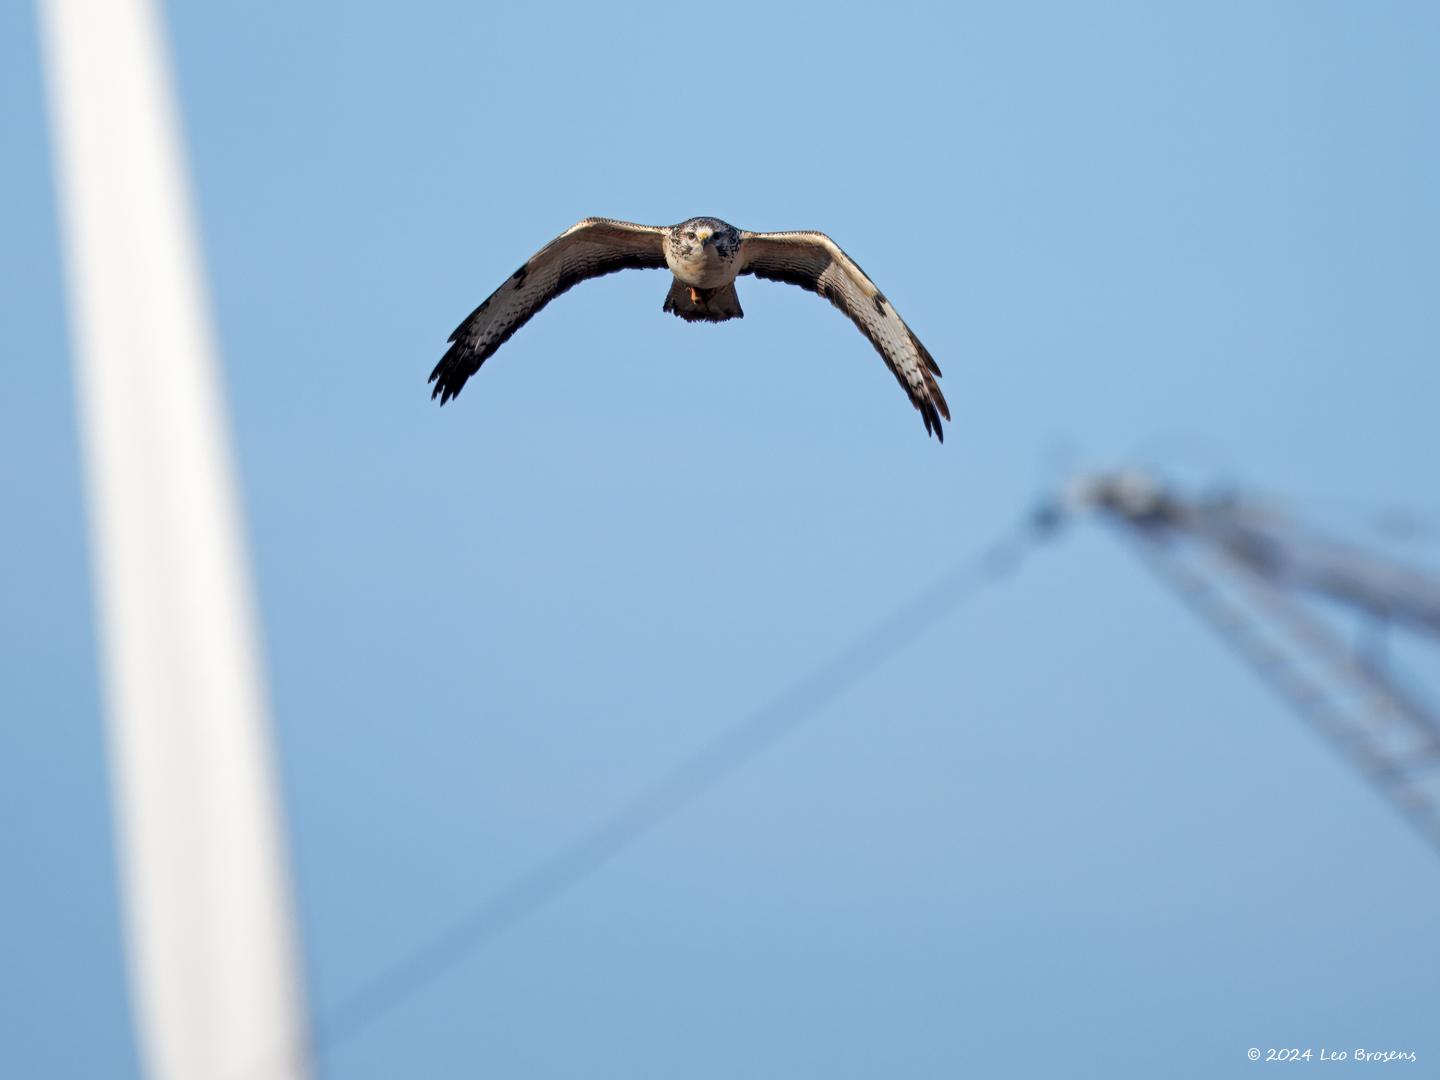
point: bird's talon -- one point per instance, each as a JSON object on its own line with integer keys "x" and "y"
{"x": 694, "y": 296}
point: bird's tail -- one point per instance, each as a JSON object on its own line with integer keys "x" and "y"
{"x": 703, "y": 305}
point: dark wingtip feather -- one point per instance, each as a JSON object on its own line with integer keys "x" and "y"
{"x": 940, "y": 403}
{"x": 931, "y": 417}
{"x": 926, "y": 357}
{"x": 450, "y": 374}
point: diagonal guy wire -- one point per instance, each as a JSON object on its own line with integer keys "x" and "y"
{"x": 672, "y": 792}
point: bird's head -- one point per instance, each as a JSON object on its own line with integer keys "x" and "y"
{"x": 708, "y": 232}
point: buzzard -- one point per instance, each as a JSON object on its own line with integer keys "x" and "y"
{"x": 705, "y": 255}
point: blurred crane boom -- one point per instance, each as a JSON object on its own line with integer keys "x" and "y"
{"x": 1246, "y": 570}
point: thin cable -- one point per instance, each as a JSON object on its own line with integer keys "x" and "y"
{"x": 674, "y": 791}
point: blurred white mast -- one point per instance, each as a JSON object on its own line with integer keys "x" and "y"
{"x": 211, "y": 942}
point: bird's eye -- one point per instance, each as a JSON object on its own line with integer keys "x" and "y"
{"x": 689, "y": 236}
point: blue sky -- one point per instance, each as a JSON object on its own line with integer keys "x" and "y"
{"x": 1063, "y": 832}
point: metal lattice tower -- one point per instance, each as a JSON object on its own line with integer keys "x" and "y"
{"x": 1252, "y": 575}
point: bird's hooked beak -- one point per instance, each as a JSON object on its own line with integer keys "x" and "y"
{"x": 703, "y": 235}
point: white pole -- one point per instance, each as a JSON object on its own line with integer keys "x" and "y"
{"x": 211, "y": 942}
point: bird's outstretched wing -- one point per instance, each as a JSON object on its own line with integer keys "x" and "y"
{"x": 815, "y": 262}
{"x": 589, "y": 249}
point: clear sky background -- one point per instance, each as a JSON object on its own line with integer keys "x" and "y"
{"x": 1062, "y": 834}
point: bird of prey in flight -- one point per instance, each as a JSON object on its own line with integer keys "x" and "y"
{"x": 705, "y": 255}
